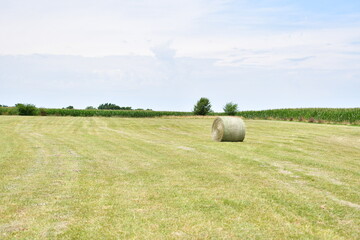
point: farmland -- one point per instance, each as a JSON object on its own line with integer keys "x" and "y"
{"x": 318, "y": 115}
{"x": 164, "y": 178}
{"x": 334, "y": 115}
{"x": 97, "y": 113}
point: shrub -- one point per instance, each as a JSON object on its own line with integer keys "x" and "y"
{"x": 230, "y": 109}
{"x": 202, "y": 107}
{"x": 70, "y": 107}
{"x": 42, "y": 111}
{"x": 27, "y": 109}
{"x": 9, "y": 111}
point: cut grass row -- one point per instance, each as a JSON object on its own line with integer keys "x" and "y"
{"x": 164, "y": 178}
{"x": 331, "y": 115}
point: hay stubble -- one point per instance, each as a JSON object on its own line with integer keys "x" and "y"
{"x": 82, "y": 178}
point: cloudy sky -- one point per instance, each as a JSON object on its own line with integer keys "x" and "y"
{"x": 166, "y": 54}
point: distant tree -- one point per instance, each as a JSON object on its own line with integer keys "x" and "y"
{"x": 109, "y": 106}
{"x": 202, "y": 107}
{"x": 90, "y": 108}
{"x": 26, "y": 109}
{"x": 3, "y": 105}
{"x": 231, "y": 109}
{"x": 70, "y": 107}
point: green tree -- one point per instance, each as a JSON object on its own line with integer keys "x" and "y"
{"x": 27, "y": 109}
{"x": 202, "y": 107}
{"x": 70, "y": 107}
{"x": 90, "y": 108}
{"x": 109, "y": 106}
{"x": 231, "y": 109}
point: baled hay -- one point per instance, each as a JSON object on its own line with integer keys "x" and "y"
{"x": 228, "y": 129}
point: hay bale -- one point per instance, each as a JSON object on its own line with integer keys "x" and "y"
{"x": 228, "y": 129}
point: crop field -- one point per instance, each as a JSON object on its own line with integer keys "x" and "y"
{"x": 317, "y": 115}
{"x": 334, "y": 115}
{"x": 164, "y": 178}
{"x": 96, "y": 112}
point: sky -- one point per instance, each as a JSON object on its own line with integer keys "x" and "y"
{"x": 167, "y": 54}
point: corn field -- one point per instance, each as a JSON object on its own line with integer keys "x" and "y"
{"x": 96, "y": 112}
{"x": 111, "y": 113}
{"x": 9, "y": 111}
{"x": 331, "y": 115}
{"x": 335, "y": 115}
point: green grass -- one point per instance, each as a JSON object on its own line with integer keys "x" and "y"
{"x": 164, "y": 178}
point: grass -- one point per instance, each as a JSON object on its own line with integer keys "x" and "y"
{"x": 164, "y": 178}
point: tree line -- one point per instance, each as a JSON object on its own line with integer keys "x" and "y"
{"x": 202, "y": 107}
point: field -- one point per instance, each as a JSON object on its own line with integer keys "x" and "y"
{"x": 317, "y": 115}
{"x": 332, "y": 115}
{"x": 164, "y": 178}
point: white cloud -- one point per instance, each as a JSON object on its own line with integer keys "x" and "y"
{"x": 196, "y": 28}
{"x": 146, "y": 82}
{"x": 180, "y": 50}
{"x": 164, "y": 52}
{"x": 98, "y": 28}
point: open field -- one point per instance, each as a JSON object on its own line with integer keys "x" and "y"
{"x": 164, "y": 178}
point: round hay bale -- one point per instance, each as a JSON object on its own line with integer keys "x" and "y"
{"x": 228, "y": 129}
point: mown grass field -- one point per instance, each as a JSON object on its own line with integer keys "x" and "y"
{"x": 164, "y": 178}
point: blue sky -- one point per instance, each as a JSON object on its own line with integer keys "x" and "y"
{"x": 165, "y": 55}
